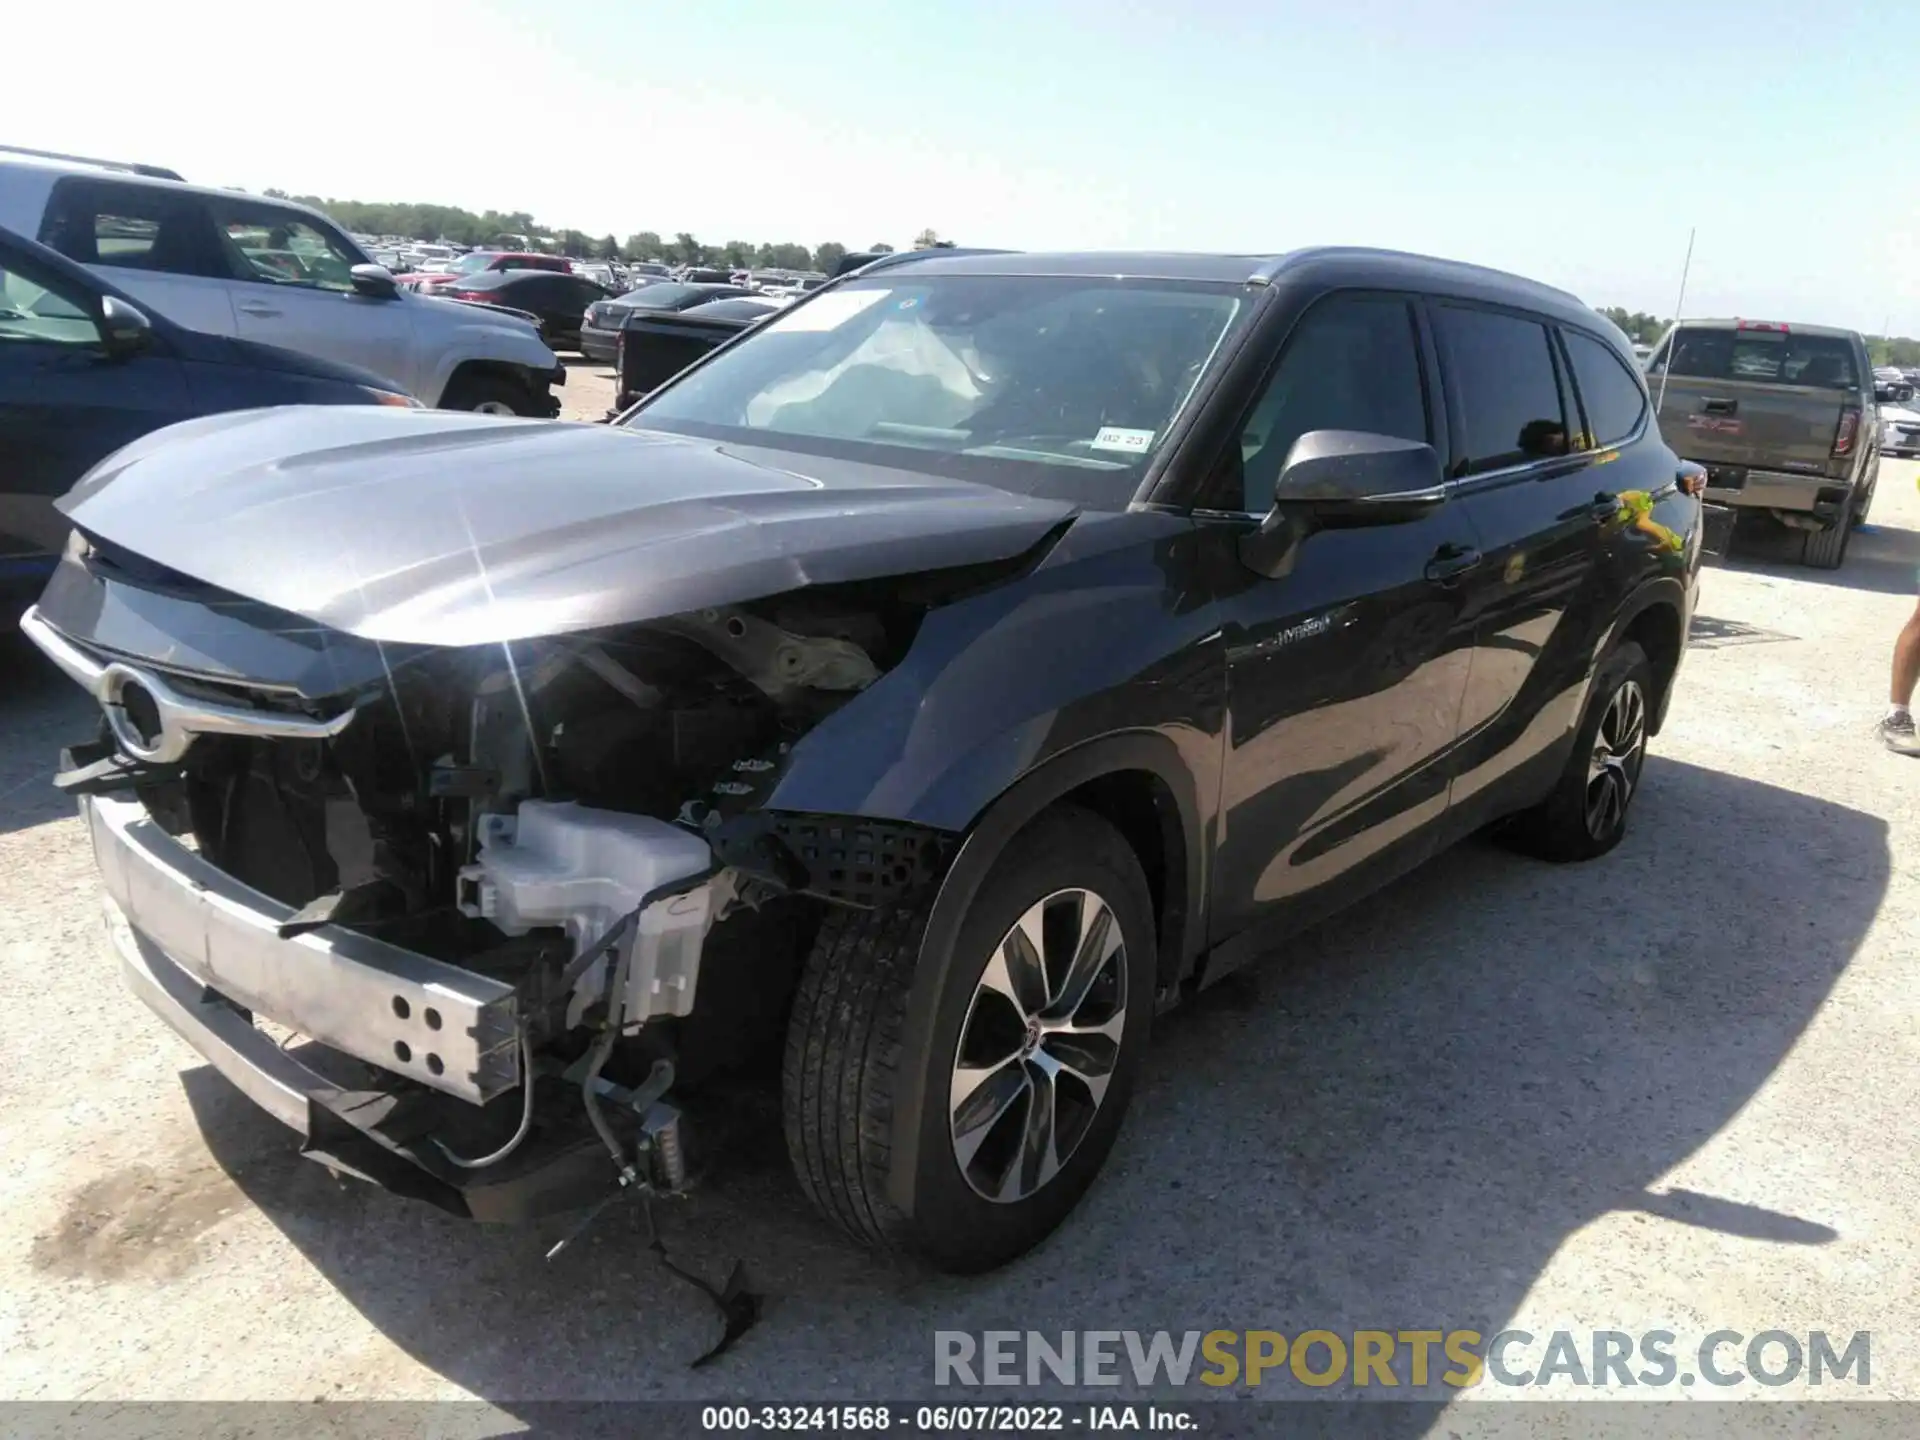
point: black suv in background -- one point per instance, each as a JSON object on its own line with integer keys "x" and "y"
{"x": 922, "y": 692}
{"x": 603, "y": 320}
{"x": 83, "y": 370}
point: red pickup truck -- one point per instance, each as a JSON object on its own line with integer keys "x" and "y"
{"x": 479, "y": 261}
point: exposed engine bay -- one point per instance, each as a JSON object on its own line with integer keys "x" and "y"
{"x": 574, "y": 823}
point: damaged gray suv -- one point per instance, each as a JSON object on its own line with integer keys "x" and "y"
{"x": 896, "y": 711}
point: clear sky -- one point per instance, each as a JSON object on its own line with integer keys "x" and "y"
{"x": 1576, "y": 143}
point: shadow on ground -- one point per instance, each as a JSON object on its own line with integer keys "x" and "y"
{"x": 1879, "y": 558}
{"x": 1709, "y": 632}
{"x": 43, "y": 711}
{"x": 1396, "y": 1123}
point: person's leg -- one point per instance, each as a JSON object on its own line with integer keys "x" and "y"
{"x": 1897, "y": 730}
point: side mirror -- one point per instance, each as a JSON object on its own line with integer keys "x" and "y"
{"x": 1342, "y": 478}
{"x": 124, "y": 329}
{"x": 1355, "y": 477}
{"x": 374, "y": 281}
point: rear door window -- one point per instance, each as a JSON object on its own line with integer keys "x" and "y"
{"x": 1765, "y": 357}
{"x": 1500, "y": 367}
{"x": 1609, "y": 391}
{"x": 136, "y": 227}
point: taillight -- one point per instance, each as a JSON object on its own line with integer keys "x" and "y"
{"x": 1775, "y": 326}
{"x": 1848, "y": 432}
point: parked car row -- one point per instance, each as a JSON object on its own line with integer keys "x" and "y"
{"x": 134, "y": 300}
{"x": 85, "y": 370}
{"x": 605, "y": 318}
{"x": 476, "y": 262}
{"x": 232, "y": 264}
{"x": 558, "y": 300}
{"x": 966, "y": 663}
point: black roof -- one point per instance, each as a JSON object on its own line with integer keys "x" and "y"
{"x": 646, "y": 297}
{"x": 1320, "y": 265}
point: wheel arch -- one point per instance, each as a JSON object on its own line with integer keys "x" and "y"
{"x": 1136, "y": 782}
{"x": 1655, "y": 618}
{"x": 476, "y": 369}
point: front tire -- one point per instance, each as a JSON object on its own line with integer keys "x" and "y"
{"x": 489, "y": 395}
{"x": 1585, "y": 816}
{"x": 1037, "y": 1034}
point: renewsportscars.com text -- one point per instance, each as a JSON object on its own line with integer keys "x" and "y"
{"x": 1380, "y": 1359}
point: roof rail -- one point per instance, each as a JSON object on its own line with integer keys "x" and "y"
{"x": 1268, "y": 270}
{"x": 867, "y": 262}
{"x": 157, "y": 172}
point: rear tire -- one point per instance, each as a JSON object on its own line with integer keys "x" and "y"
{"x": 1578, "y": 820}
{"x": 845, "y": 1071}
{"x": 488, "y": 395}
{"x": 1827, "y": 549}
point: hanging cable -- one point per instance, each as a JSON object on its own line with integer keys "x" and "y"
{"x": 526, "y": 1113}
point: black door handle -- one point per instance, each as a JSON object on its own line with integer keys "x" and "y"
{"x": 1719, "y": 407}
{"x": 1604, "y": 508}
{"x": 1450, "y": 562}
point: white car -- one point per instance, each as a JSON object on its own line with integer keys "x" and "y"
{"x": 1899, "y": 430}
{"x": 229, "y": 263}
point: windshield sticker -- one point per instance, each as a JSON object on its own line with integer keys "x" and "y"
{"x": 1131, "y": 442}
{"x": 828, "y": 311}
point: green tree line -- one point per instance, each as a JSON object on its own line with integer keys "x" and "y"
{"x": 1641, "y": 328}
{"x": 1894, "y": 350}
{"x": 463, "y": 227}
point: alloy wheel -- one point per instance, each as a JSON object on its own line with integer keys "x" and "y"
{"x": 1039, "y": 1045}
{"x": 493, "y": 407}
{"x": 1619, "y": 746}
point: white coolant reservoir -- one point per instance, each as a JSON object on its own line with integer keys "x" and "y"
{"x": 583, "y": 869}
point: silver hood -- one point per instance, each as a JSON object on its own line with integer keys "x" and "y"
{"x": 441, "y": 528}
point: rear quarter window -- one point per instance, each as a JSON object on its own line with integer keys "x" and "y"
{"x": 1609, "y": 391}
{"x": 135, "y": 227}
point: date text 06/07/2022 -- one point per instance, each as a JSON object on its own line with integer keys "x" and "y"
{"x": 945, "y": 1419}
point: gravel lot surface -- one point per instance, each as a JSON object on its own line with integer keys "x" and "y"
{"x": 1673, "y": 1089}
{"x": 588, "y": 393}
